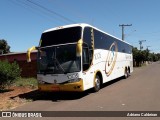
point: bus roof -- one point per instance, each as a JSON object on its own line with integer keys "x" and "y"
{"x": 81, "y": 25}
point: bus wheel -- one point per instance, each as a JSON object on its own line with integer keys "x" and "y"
{"x": 97, "y": 84}
{"x": 126, "y": 73}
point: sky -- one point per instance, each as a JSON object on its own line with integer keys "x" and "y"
{"x": 23, "y": 21}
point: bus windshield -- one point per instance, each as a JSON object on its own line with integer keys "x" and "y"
{"x": 58, "y": 59}
{"x": 61, "y": 36}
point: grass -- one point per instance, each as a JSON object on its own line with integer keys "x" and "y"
{"x": 29, "y": 82}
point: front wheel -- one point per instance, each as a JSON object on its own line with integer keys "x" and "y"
{"x": 97, "y": 84}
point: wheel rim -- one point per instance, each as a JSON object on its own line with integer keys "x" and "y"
{"x": 126, "y": 73}
{"x": 97, "y": 84}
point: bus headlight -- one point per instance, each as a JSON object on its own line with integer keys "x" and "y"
{"x": 74, "y": 80}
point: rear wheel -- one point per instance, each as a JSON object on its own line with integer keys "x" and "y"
{"x": 126, "y": 73}
{"x": 129, "y": 72}
{"x": 97, "y": 84}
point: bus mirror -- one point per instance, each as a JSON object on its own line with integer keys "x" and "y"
{"x": 37, "y": 48}
{"x": 29, "y": 53}
{"x": 79, "y": 48}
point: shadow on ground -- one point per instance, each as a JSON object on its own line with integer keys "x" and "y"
{"x": 58, "y": 96}
{"x": 112, "y": 82}
{"x": 6, "y": 90}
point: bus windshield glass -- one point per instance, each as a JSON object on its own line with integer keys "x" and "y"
{"x": 58, "y": 59}
{"x": 61, "y": 36}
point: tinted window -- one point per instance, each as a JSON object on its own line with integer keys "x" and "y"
{"x": 104, "y": 41}
{"x": 85, "y": 59}
{"x": 99, "y": 40}
{"x": 62, "y": 36}
{"x": 87, "y": 36}
{"x": 88, "y": 44}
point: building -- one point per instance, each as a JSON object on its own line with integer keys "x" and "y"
{"x": 28, "y": 69}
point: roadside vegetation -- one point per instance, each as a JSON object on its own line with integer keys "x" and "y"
{"x": 8, "y": 73}
{"x": 10, "y": 76}
{"x": 141, "y": 57}
{"x": 25, "y": 82}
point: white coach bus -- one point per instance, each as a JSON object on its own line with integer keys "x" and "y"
{"x": 78, "y": 57}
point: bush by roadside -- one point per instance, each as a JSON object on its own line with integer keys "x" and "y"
{"x": 8, "y": 73}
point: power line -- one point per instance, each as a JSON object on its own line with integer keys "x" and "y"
{"x": 51, "y": 11}
{"x": 74, "y": 12}
{"x": 34, "y": 9}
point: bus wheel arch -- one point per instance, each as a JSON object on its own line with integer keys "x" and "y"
{"x": 98, "y": 80}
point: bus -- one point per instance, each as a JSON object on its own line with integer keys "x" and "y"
{"x": 79, "y": 57}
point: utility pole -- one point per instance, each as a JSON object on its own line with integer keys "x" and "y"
{"x": 140, "y": 43}
{"x": 148, "y": 47}
{"x": 123, "y": 25}
{"x": 147, "y": 55}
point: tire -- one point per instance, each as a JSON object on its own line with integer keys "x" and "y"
{"x": 97, "y": 84}
{"x": 126, "y": 73}
{"x": 129, "y": 72}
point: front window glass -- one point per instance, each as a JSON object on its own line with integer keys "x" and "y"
{"x": 58, "y": 59}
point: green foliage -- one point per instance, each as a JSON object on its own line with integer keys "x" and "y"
{"x": 153, "y": 57}
{"x": 140, "y": 56}
{"x": 137, "y": 57}
{"x": 4, "y": 47}
{"x": 8, "y": 73}
{"x": 158, "y": 56}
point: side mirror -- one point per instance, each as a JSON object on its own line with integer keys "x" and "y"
{"x": 29, "y": 53}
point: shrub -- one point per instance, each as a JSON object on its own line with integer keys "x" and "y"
{"x": 8, "y": 73}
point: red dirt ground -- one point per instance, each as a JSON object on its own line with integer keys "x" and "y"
{"x": 9, "y": 98}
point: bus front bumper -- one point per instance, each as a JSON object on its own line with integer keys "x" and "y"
{"x": 72, "y": 87}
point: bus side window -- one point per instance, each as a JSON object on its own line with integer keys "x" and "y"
{"x": 85, "y": 58}
{"x": 88, "y": 43}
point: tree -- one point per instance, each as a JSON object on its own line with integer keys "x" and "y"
{"x": 158, "y": 55}
{"x": 4, "y": 47}
{"x": 154, "y": 57}
{"x": 138, "y": 56}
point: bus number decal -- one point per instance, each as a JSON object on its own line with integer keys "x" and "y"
{"x": 97, "y": 56}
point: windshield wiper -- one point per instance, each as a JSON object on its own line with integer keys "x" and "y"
{"x": 56, "y": 61}
{"x": 55, "y": 66}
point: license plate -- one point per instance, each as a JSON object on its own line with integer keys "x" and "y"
{"x": 55, "y": 88}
